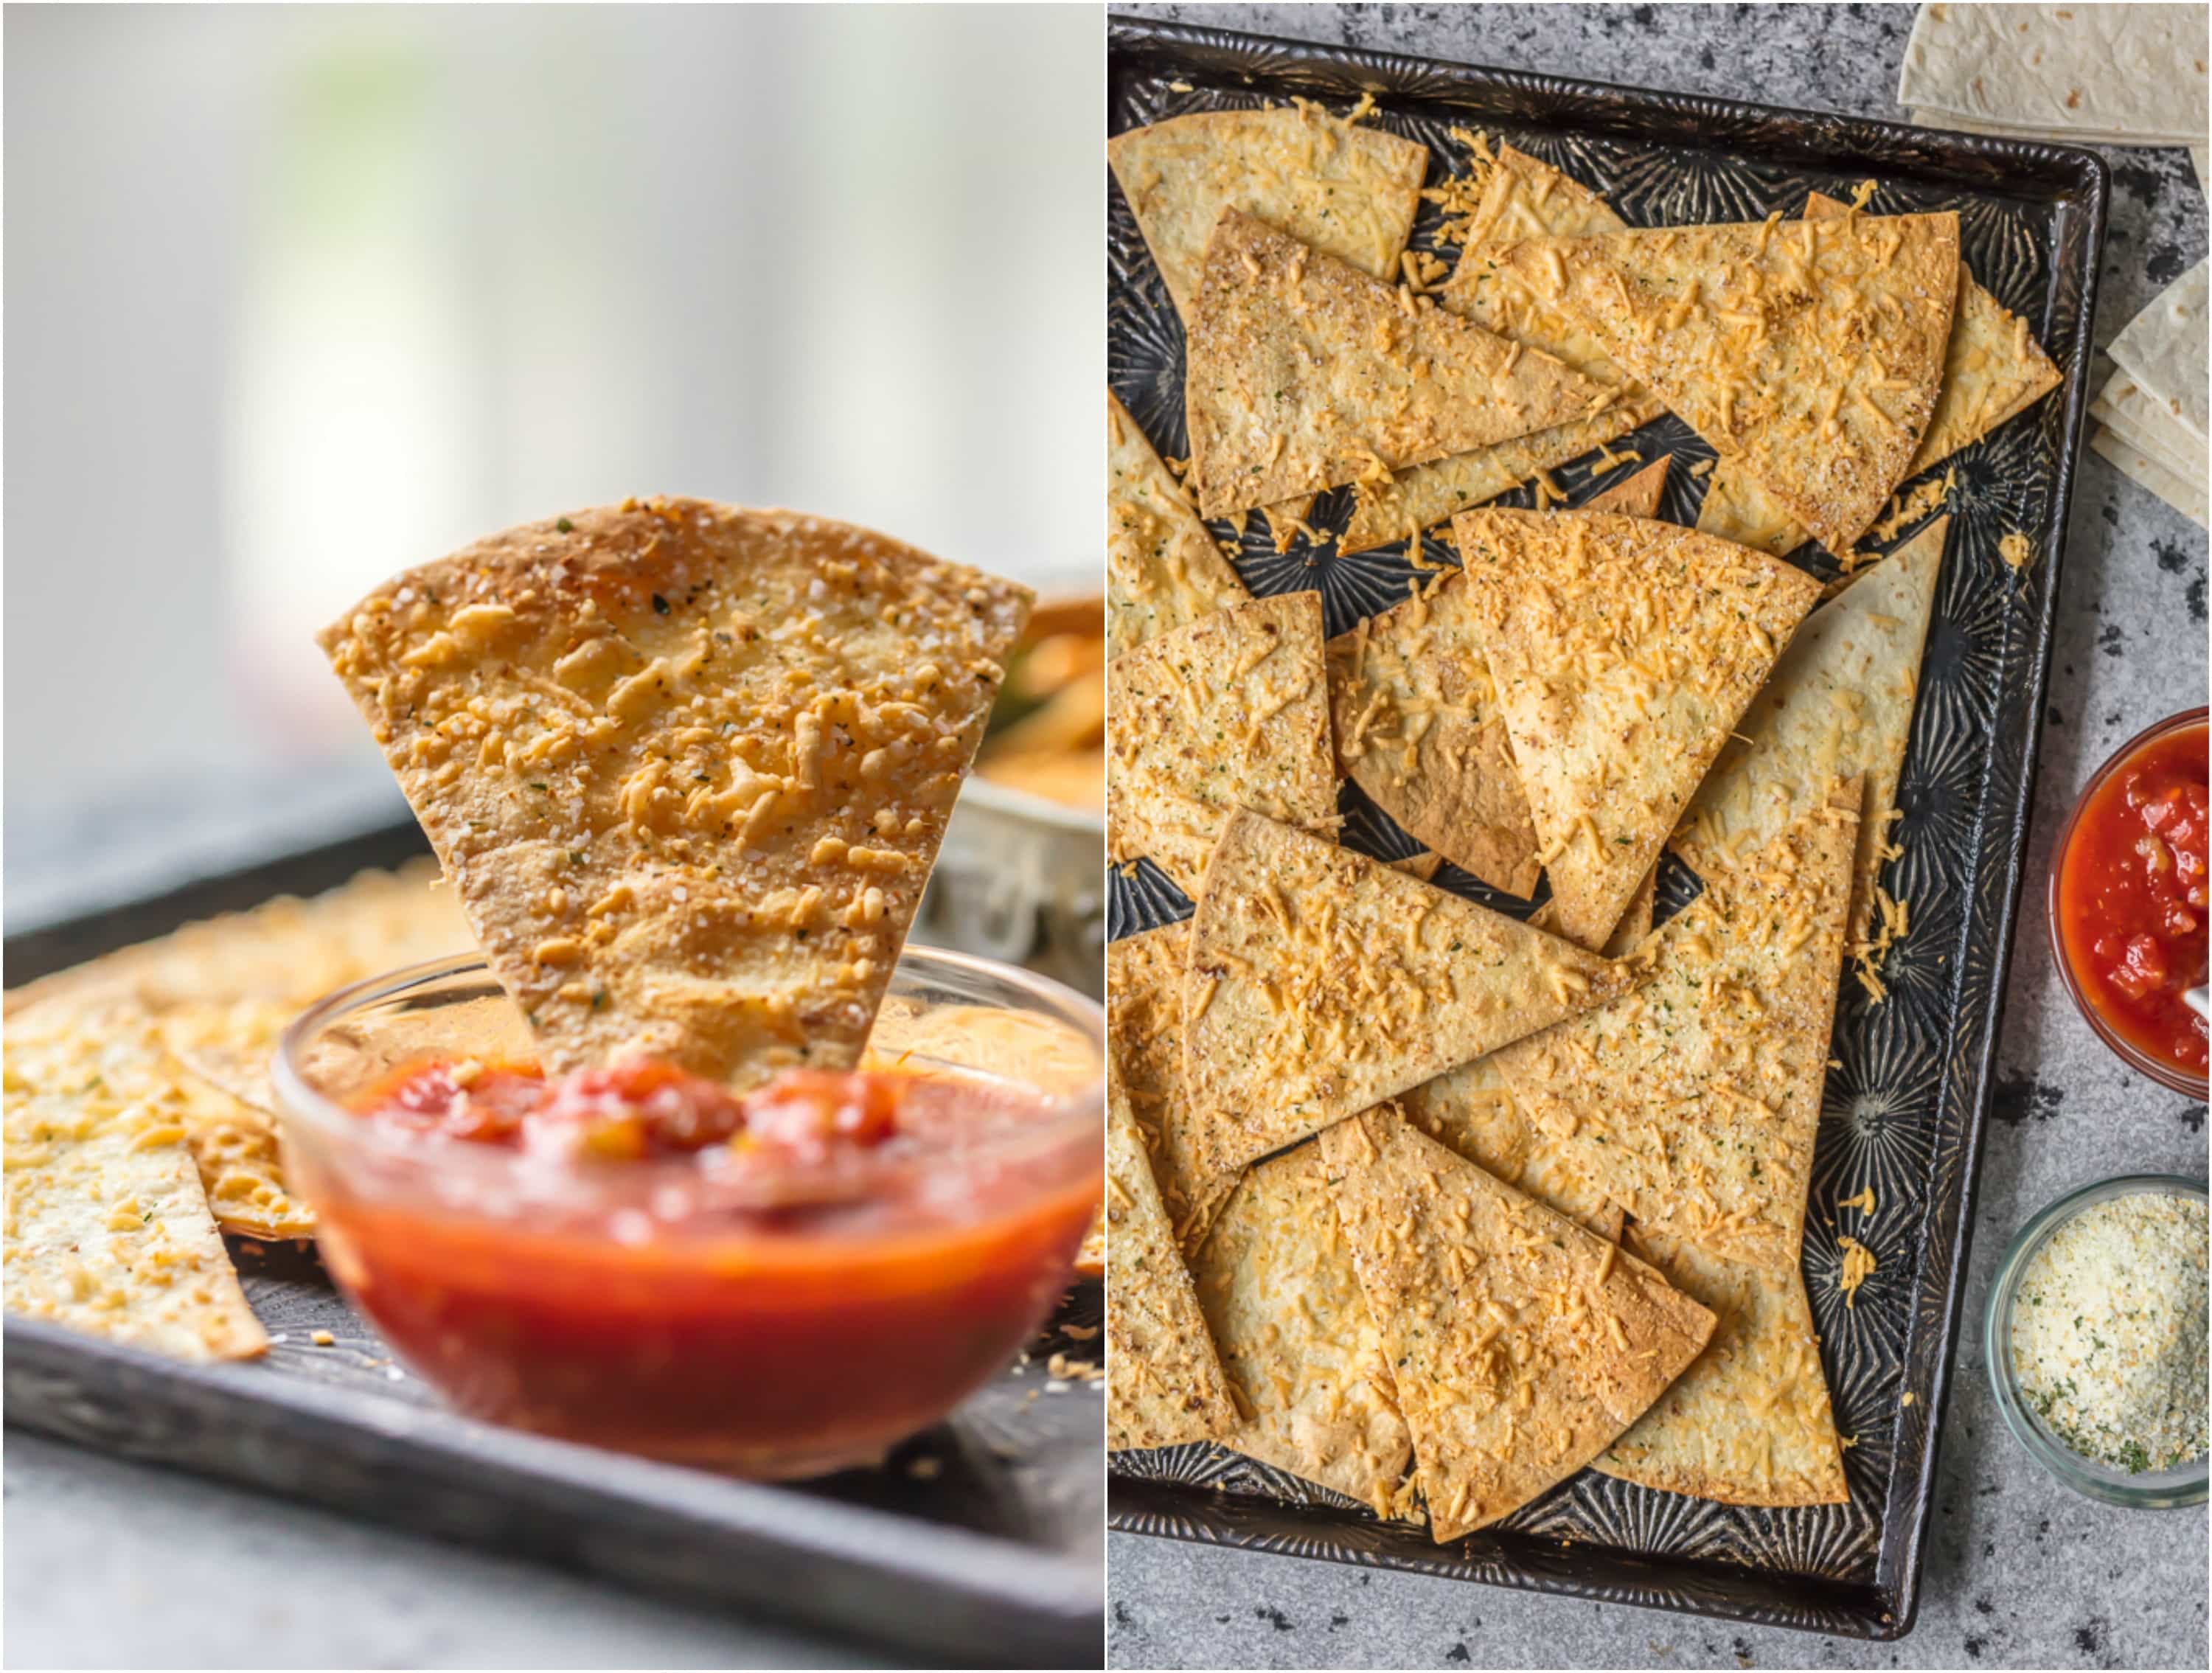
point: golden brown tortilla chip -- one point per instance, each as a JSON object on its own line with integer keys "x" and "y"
{"x": 1637, "y": 495}
{"x": 1417, "y": 729}
{"x": 1623, "y": 652}
{"x": 1091, "y": 1259}
{"x": 1301, "y": 1350}
{"x": 108, "y": 1225}
{"x": 1693, "y": 1101}
{"x": 686, "y": 765}
{"x": 1164, "y": 1380}
{"x": 1522, "y": 1345}
{"x": 1305, "y": 374}
{"x": 1810, "y": 351}
{"x": 1749, "y": 1422}
{"x": 1143, "y": 1029}
{"x": 1349, "y": 190}
{"x": 1470, "y": 1110}
{"x": 1839, "y": 704}
{"x": 1322, "y": 982}
{"x": 1163, "y": 570}
{"x": 1230, "y": 712}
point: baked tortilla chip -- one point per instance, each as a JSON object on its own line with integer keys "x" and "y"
{"x": 1091, "y": 1259}
{"x": 1302, "y": 1353}
{"x": 1305, "y": 374}
{"x": 1837, "y": 705}
{"x": 1694, "y": 1103}
{"x": 1230, "y": 712}
{"x": 1164, "y": 1380}
{"x": 1163, "y": 570}
{"x": 1993, "y": 371}
{"x": 1749, "y": 1422}
{"x": 108, "y": 1228}
{"x": 1322, "y": 982}
{"x": 1522, "y": 1345}
{"x": 1810, "y": 351}
{"x": 1470, "y": 1110}
{"x": 1623, "y": 652}
{"x": 1418, "y": 729}
{"x": 1637, "y": 495}
{"x": 1144, "y": 1029}
{"x": 1350, "y": 191}
{"x": 686, "y": 765}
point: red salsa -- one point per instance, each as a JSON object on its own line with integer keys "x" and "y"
{"x": 780, "y": 1282}
{"x": 2132, "y": 898}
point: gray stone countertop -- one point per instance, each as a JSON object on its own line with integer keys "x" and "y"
{"x": 2020, "y": 1572}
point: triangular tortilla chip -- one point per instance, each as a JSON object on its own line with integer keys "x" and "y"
{"x": 687, "y": 766}
{"x": 1811, "y": 352}
{"x": 1749, "y": 1422}
{"x": 1144, "y": 1028}
{"x": 1694, "y": 1103}
{"x": 1163, "y": 1382}
{"x": 1230, "y": 712}
{"x": 1091, "y": 1259}
{"x": 1637, "y": 495}
{"x": 1163, "y": 570}
{"x": 1623, "y": 652}
{"x": 1993, "y": 370}
{"x": 1322, "y": 982}
{"x": 1837, "y": 705}
{"x": 1522, "y": 1345}
{"x": 1418, "y": 729}
{"x": 1304, "y": 374}
{"x": 1301, "y": 1350}
{"x": 1348, "y": 188}
{"x": 1470, "y": 1110}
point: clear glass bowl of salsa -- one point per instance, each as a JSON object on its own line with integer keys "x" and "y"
{"x": 778, "y": 1285}
{"x": 2127, "y": 904}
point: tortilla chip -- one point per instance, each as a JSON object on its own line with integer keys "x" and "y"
{"x": 686, "y": 765}
{"x": 1350, "y": 191}
{"x": 1522, "y": 1345}
{"x": 1694, "y": 1103}
{"x": 108, "y": 1227}
{"x": 1637, "y": 495}
{"x": 1417, "y": 729}
{"x": 1322, "y": 982}
{"x": 1230, "y": 712}
{"x": 1993, "y": 371}
{"x": 1837, "y": 705}
{"x": 1305, "y": 374}
{"x": 1091, "y": 1259}
{"x": 1810, "y": 351}
{"x": 1300, "y": 1349}
{"x": 1143, "y": 1029}
{"x": 1422, "y": 864}
{"x": 1624, "y": 651}
{"x": 1163, "y": 570}
{"x": 1749, "y": 1422}
{"x": 1164, "y": 1380}
{"x": 1470, "y": 1110}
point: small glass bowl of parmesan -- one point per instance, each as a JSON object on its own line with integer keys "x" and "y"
{"x": 2094, "y": 1336}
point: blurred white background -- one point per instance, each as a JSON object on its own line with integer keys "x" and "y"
{"x": 296, "y": 297}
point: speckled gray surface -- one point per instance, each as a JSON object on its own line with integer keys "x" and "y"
{"x": 2018, "y": 1572}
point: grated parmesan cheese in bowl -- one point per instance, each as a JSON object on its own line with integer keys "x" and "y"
{"x": 2095, "y": 1338}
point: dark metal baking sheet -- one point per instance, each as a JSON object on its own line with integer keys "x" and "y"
{"x": 1906, "y": 1106}
{"x": 995, "y": 1558}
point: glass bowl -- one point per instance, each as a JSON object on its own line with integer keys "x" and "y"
{"x": 775, "y": 1324}
{"x": 2148, "y": 1490}
{"x": 2167, "y": 1074}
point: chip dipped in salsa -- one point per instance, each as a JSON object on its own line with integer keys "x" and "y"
{"x": 2129, "y": 896}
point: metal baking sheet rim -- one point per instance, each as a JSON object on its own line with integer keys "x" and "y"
{"x": 1886, "y": 1609}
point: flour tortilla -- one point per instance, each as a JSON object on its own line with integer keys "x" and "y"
{"x": 1163, "y": 1382}
{"x": 1163, "y": 570}
{"x": 686, "y": 765}
{"x": 1811, "y": 351}
{"x": 1693, "y": 1101}
{"x": 1230, "y": 712}
{"x": 1322, "y": 981}
{"x": 1522, "y": 1345}
{"x": 2124, "y": 72}
{"x": 1144, "y": 1029}
{"x": 1304, "y": 374}
{"x": 2149, "y": 427}
{"x": 2140, "y": 468}
{"x": 2163, "y": 349}
{"x": 1622, "y": 651}
{"x": 1301, "y": 1350}
{"x": 1837, "y": 705}
{"x": 1349, "y": 190}
{"x": 1749, "y": 1422}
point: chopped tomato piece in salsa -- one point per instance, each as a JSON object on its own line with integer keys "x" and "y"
{"x": 2132, "y": 902}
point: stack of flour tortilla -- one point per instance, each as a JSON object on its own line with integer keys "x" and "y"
{"x": 2151, "y": 412}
